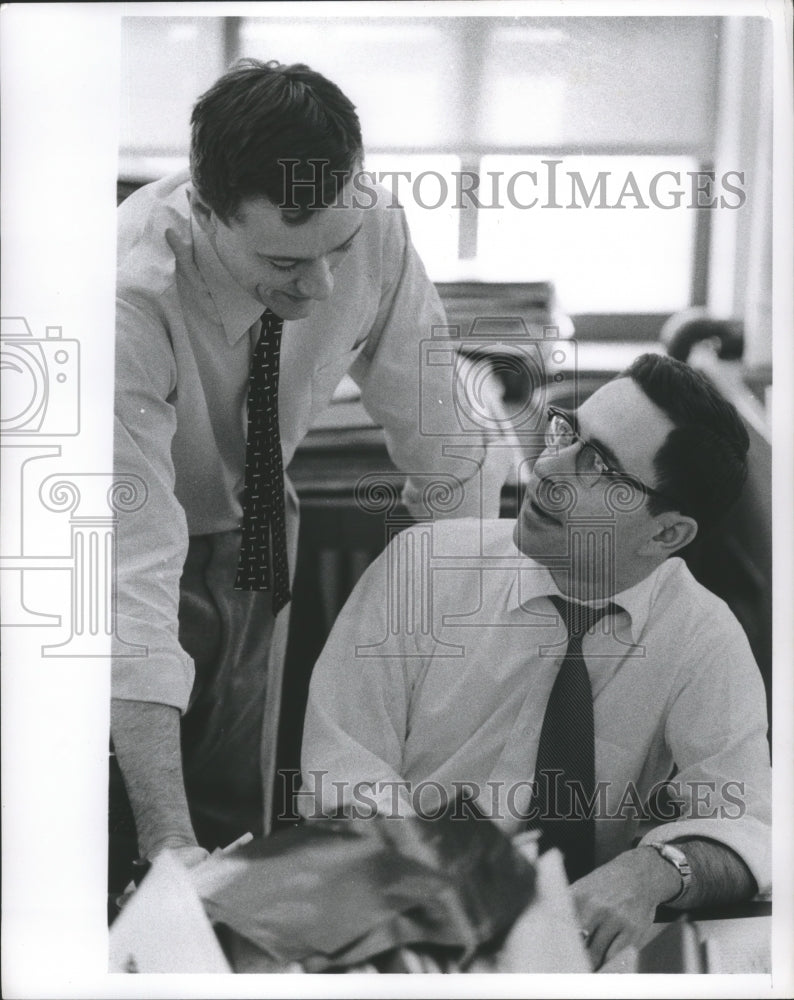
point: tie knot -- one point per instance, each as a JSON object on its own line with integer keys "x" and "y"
{"x": 270, "y": 322}
{"x": 580, "y": 618}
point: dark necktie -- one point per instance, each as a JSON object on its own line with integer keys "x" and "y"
{"x": 566, "y": 750}
{"x": 264, "y": 545}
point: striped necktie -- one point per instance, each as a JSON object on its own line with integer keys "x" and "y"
{"x": 566, "y": 749}
{"x": 263, "y": 551}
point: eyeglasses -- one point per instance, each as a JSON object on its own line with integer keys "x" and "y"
{"x": 562, "y": 431}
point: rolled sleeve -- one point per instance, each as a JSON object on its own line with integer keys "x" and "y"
{"x": 717, "y": 731}
{"x": 151, "y": 541}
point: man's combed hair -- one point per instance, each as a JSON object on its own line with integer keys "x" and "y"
{"x": 284, "y": 133}
{"x": 703, "y": 461}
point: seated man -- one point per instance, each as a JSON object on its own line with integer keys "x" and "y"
{"x": 564, "y": 671}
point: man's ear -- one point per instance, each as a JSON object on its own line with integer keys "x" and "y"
{"x": 672, "y": 532}
{"x": 202, "y": 213}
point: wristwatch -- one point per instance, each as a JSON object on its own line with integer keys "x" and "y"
{"x": 678, "y": 859}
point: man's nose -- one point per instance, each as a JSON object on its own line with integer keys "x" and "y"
{"x": 316, "y": 280}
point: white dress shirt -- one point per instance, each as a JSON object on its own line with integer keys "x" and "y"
{"x": 439, "y": 668}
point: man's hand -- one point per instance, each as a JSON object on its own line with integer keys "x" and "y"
{"x": 616, "y": 903}
{"x": 189, "y": 855}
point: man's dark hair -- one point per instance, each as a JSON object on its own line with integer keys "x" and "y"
{"x": 280, "y": 132}
{"x": 703, "y": 461}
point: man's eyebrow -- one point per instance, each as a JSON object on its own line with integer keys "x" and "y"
{"x": 285, "y": 260}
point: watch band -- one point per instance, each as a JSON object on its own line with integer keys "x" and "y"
{"x": 678, "y": 859}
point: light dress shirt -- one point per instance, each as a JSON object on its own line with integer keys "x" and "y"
{"x": 184, "y": 339}
{"x": 439, "y": 668}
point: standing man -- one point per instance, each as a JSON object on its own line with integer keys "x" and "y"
{"x": 246, "y": 289}
{"x": 565, "y": 670}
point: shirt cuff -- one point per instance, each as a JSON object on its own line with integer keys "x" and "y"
{"x": 162, "y": 674}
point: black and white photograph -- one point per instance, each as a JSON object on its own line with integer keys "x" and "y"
{"x": 397, "y": 498}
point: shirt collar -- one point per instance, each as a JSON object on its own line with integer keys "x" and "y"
{"x": 533, "y": 581}
{"x": 237, "y": 308}
{"x": 637, "y": 600}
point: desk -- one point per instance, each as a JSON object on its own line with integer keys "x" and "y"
{"x": 737, "y": 944}
{"x": 164, "y": 929}
{"x": 725, "y": 944}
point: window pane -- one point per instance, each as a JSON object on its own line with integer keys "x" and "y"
{"x": 166, "y": 63}
{"x": 600, "y": 259}
{"x": 608, "y": 80}
{"x": 401, "y": 76}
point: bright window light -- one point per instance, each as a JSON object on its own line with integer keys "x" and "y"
{"x": 601, "y": 259}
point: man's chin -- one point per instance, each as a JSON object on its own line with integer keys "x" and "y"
{"x": 296, "y": 312}
{"x": 536, "y": 544}
{"x": 286, "y": 306}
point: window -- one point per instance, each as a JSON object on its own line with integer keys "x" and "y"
{"x": 448, "y": 98}
{"x": 166, "y": 62}
{"x": 597, "y": 254}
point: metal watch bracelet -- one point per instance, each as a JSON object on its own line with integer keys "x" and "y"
{"x": 679, "y": 860}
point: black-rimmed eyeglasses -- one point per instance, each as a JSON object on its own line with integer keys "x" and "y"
{"x": 562, "y": 431}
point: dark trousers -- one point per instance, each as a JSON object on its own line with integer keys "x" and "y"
{"x": 228, "y": 634}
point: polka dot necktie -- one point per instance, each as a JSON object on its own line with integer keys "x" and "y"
{"x": 566, "y": 749}
{"x": 263, "y": 552}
